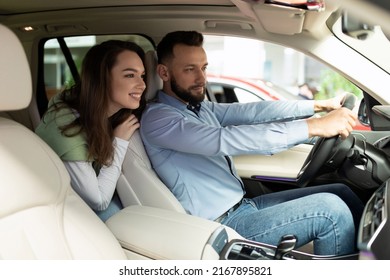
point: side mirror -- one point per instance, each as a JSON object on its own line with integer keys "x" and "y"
{"x": 362, "y": 113}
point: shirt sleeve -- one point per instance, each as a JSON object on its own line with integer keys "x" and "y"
{"x": 261, "y": 112}
{"x": 97, "y": 191}
{"x": 238, "y": 130}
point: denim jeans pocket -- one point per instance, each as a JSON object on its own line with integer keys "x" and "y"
{"x": 246, "y": 205}
{"x": 249, "y": 201}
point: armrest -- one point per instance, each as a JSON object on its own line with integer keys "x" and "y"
{"x": 163, "y": 234}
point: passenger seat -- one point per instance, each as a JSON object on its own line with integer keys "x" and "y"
{"x": 41, "y": 217}
{"x": 139, "y": 184}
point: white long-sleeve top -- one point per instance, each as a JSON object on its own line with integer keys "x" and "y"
{"x": 97, "y": 191}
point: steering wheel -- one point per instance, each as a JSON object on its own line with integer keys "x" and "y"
{"x": 321, "y": 150}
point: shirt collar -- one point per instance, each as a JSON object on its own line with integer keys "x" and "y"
{"x": 172, "y": 101}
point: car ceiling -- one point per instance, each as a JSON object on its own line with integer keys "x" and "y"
{"x": 240, "y": 17}
{"x": 22, "y": 6}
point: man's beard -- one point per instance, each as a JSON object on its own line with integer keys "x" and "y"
{"x": 186, "y": 95}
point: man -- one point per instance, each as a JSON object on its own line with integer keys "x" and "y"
{"x": 190, "y": 140}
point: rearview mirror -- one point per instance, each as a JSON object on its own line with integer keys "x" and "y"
{"x": 355, "y": 28}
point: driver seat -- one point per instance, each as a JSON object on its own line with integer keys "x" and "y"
{"x": 41, "y": 217}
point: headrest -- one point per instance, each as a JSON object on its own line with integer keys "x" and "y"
{"x": 153, "y": 80}
{"x": 15, "y": 75}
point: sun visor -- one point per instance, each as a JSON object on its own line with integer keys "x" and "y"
{"x": 280, "y": 19}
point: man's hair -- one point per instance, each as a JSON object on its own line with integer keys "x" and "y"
{"x": 170, "y": 40}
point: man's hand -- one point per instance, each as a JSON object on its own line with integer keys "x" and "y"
{"x": 328, "y": 105}
{"x": 337, "y": 122}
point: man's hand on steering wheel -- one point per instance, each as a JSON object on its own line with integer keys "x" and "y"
{"x": 337, "y": 122}
{"x": 331, "y": 104}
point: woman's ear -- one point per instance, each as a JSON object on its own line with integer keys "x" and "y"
{"x": 162, "y": 71}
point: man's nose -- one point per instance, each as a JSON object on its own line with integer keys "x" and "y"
{"x": 201, "y": 75}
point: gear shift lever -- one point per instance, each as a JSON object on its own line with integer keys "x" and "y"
{"x": 286, "y": 244}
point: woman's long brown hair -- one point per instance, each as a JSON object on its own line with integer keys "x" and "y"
{"x": 90, "y": 98}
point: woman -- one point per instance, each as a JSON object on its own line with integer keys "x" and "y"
{"x": 89, "y": 125}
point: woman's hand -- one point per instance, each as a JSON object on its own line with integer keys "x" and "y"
{"x": 126, "y": 129}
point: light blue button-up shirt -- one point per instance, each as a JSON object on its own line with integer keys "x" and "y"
{"x": 189, "y": 152}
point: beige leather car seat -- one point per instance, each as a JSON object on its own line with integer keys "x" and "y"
{"x": 139, "y": 184}
{"x": 41, "y": 217}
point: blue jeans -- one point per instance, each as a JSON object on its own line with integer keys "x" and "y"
{"x": 114, "y": 207}
{"x": 326, "y": 215}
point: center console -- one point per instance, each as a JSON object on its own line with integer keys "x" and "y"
{"x": 374, "y": 230}
{"x": 242, "y": 249}
{"x": 152, "y": 233}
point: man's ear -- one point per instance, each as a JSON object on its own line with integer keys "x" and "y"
{"x": 162, "y": 71}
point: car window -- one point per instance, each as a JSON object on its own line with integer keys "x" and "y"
{"x": 259, "y": 63}
{"x": 270, "y": 71}
{"x": 57, "y": 74}
{"x": 245, "y": 96}
{"x": 229, "y": 93}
